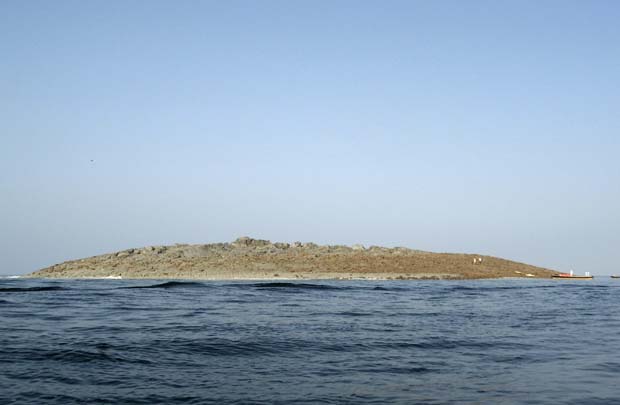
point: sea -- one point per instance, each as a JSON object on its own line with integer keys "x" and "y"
{"x": 509, "y": 341}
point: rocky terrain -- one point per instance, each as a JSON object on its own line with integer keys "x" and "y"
{"x": 247, "y": 259}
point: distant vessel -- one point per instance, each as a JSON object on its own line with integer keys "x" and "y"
{"x": 614, "y": 276}
{"x": 570, "y": 275}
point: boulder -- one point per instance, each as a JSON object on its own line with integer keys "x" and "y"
{"x": 247, "y": 241}
{"x": 242, "y": 241}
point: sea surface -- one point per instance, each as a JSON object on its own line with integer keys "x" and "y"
{"x": 362, "y": 342}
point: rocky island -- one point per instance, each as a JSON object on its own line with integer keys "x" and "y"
{"x": 252, "y": 259}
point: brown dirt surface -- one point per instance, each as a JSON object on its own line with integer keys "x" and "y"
{"x": 252, "y": 259}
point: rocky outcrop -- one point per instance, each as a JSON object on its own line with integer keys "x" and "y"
{"x": 248, "y": 258}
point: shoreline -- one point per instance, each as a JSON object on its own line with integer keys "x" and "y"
{"x": 254, "y": 277}
{"x": 383, "y": 277}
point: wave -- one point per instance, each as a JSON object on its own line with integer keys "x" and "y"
{"x": 380, "y": 288}
{"x": 169, "y": 284}
{"x": 394, "y": 370}
{"x": 309, "y": 286}
{"x": 298, "y": 286}
{"x": 40, "y": 396}
{"x": 498, "y": 288}
{"x": 32, "y": 289}
{"x": 226, "y": 347}
{"x": 443, "y": 344}
{"x": 354, "y": 313}
{"x": 609, "y": 367}
{"x": 73, "y": 356}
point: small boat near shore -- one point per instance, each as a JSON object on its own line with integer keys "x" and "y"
{"x": 586, "y": 276}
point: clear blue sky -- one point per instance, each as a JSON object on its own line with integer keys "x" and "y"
{"x": 479, "y": 126}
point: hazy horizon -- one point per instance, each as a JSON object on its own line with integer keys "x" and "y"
{"x": 474, "y": 127}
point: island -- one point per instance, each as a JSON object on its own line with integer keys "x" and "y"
{"x": 255, "y": 259}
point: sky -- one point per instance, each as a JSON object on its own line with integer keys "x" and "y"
{"x": 487, "y": 127}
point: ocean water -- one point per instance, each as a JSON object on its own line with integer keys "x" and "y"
{"x": 430, "y": 342}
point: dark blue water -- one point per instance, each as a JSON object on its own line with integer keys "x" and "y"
{"x": 432, "y": 342}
